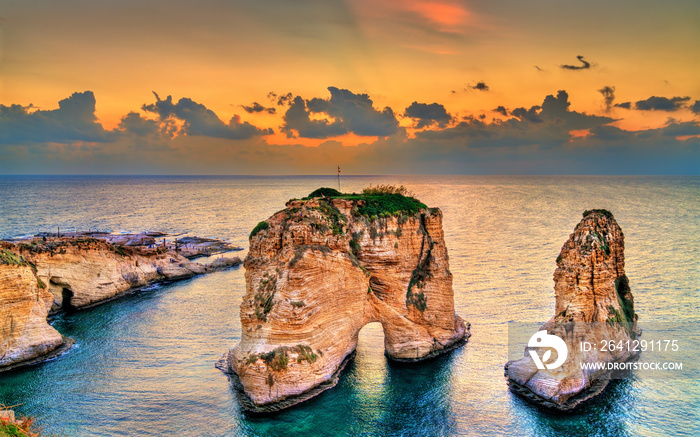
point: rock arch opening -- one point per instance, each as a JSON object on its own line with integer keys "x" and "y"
{"x": 346, "y": 285}
{"x": 67, "y": 299}
{"x": 370, "y": 341}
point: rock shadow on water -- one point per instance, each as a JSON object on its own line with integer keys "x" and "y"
{"x": 603, "y": 415}
{"x": 412, "y": 399}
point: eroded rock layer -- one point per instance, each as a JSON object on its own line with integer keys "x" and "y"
{"x": 24, "y": 333}
{"x": 316, "y": 273}
{"x": 50, "y": 274}
{"x": 593, "y": 304}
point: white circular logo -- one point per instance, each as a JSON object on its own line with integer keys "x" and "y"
{"x": 541, "y": 340}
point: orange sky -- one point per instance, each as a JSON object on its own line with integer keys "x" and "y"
{"x": 225, "y": 55}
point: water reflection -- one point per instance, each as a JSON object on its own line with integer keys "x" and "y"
{"x": 503, "y": 234}
{"x": 373, "y": 397}
{"x": 603, "y": 416}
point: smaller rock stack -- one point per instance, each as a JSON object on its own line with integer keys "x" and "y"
{"x": 593, "y": 304}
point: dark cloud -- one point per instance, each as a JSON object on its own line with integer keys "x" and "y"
{"x": 532, "y": 115}
{"x": 585, "y": 64}
{"x": 428, "y": 114}
{"x": 74, "y": 120}
{"x": 655, "y": 103}
{"x": 546, "y": 126}
{"x": 661, "y": 137}
{"x": 556, "y": 110}
{"x": 353, "y": 113}
{"x": 133, "y": 122}
{"x": 199, "y": 120}
{"x": 608, "y": 93}
{"x": 501, "y": 110}
{"x": 480, "y": 86}
{"x": 280, "y": 100}
{"x": 471, "y": 146}
{"x": 695, "y": 107}
{"x": 257, "y": 107}
{"x": 298, "y": 119}
{"x": 624, "y": 105}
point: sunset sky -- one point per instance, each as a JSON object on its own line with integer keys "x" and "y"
{"x": 391, "y": 87}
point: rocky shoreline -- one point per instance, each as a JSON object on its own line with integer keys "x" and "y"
{"x": 47, "y": 274}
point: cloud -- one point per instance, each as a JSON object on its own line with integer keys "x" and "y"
{"x": 535, "y": 139}
{"x": 655, "y": 103}
{"x": 480, "y": 86}
{"x": 134, "y": 123}
{"x": 348, "y": 113}
{"x": 280, "y": 100}
{"x": 74, "y": 120}
{"x": 660, "y": 137}
{"x": 198, "y": 120}
{"x": 624, "y": 105}
{"x": 695, "y": 107}
{"x": 608, "y": 96}
{"x": 298, "y": 122}
{"x": 257, "y": 107}
{"x": 532, "y": 115}
{"x": 428, "y": 114}
{"x": 501, "y": 110}
{"x": 585, "y": 65}
{"x": 545, "y": 126}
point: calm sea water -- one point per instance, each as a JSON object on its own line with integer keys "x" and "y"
{"x": 144, "y": 364}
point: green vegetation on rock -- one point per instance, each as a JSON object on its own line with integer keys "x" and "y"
{"x": 324, "y": 192}
{"x": 259, "y": 227}
{"x": 336, "y": 219}
{"x": 264, "y": 296}
{"x": 9, "y": 257}
{"x": 20, "y": 428}
{"x": 278, "y": 358}
{"x": 603, "y": 242}
{"x": 379, "y": 201}
{"x": 11, "y": 430}
{"x": 627, "y": 315}
{"x": 603, "y": 212}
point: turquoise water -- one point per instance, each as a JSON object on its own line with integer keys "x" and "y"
{"x": 144, "y": 364}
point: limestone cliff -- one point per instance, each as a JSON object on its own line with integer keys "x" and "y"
{"x": 80, "y": 272}
{"x": 45, "y": 274}
{"x": 321, "y": 269}
{"x": 593, "y": 304}
{"x": 24, "y": 305}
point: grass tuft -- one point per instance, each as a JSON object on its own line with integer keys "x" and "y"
{"x": 603, "y": 212}
{"x": 259, "y": 227}
{"x": 11, "y": 258}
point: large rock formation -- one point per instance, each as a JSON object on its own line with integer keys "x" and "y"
{"x": 81, "y": 272}
{"x": 51, "y": 274}
{"x": 24, "y": 305}
{"x": 320, "y": 270}
{"x": 593, "y": 304}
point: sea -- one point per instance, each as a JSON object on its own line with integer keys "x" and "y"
{"x": 143, "y": 365}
